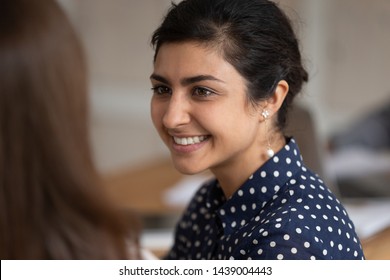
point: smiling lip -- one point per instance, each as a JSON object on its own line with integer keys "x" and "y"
{"x": 188, "y": 144}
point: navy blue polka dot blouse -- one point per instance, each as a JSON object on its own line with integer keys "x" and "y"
{"x": 283, "y": 211}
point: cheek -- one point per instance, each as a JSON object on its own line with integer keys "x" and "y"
{"x": 238, "y": 127}
{"x": 231, "y": 118}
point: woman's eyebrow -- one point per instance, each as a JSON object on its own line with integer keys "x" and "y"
{"x": 159, "y": 78}
{"x": 187, "y": 81}
{"x": 199, "y": 78}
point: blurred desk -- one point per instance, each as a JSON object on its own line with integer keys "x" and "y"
{"x": 143, "y": 189}
{"x": 377, "y": 247}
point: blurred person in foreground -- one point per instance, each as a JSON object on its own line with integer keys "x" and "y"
{"x": 52, "y": 203}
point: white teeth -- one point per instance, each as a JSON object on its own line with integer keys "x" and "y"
{"x": 189, "y": 140}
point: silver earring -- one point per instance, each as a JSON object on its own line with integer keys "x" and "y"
{"x": 265, "y": 114}
{"x": 270, "y": 152}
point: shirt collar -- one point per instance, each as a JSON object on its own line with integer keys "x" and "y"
{"x": 260, "y": 188}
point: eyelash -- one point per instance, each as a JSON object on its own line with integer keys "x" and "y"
{"x": 156, "y": 90}
{"x": 166, "y": 90}
{"x": 206, "y": 92}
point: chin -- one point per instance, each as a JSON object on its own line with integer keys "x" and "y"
{"x": 187, "y": 170}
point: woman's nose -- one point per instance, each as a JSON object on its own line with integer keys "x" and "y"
{"x": 177, "y": 112}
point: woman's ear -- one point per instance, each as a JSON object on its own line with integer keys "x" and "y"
{"x": 276, "y": 100}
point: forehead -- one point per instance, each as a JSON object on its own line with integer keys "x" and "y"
{"x": 187, "y": 50}
{"x": 191, "y": 58}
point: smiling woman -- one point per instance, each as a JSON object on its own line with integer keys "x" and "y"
{"x": 204, "y": 99}
{"x": 225, "y": 74}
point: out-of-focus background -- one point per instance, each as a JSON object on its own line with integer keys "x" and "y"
{"x": 344, "y": 125}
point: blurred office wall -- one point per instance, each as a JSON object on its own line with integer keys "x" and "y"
{"x": 345, "y": 44}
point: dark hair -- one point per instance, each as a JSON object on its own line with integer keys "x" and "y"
{"x": 254, "y": 36}
{"x": 52, "y": 202}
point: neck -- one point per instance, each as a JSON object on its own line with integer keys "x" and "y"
{"x": 233, "y": 174}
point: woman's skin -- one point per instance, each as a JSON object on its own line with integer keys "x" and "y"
{"x": 201, "y": 111}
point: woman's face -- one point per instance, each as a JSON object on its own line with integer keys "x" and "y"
{"x": 201, "y": 110}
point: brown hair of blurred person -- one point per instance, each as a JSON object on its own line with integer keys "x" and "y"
{"x": 52, "y": 203}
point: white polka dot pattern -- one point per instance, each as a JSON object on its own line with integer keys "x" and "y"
{"x": 284, "y": 211}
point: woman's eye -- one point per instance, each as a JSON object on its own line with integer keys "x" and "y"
{"x": 161, "y": 90}
{"x": 202, "y": 92}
